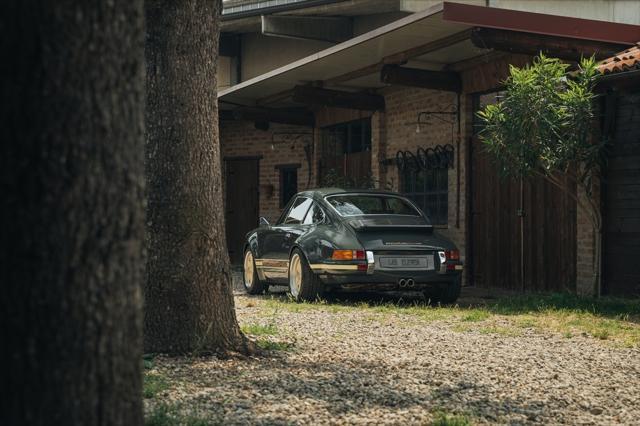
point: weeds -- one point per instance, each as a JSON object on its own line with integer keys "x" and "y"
{"x": 153, "y": 384}
{"x": 444, "y": 419}
{"x": 170, "y": 415}
{"x": 260, "y": 329}
{"x": 272, "y": 345}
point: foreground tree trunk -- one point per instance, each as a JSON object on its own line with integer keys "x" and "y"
{"x": 188, "y": 294}
{"x": 72, "y": 221}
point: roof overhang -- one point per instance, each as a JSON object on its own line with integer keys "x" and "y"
{"x": 436, "y": 39}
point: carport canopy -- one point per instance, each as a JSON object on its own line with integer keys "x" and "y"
{"x": 442, "y": 39}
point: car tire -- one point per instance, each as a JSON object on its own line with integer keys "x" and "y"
{"x": 447, "y": 294}
{"x": 250, "y": 279}
{"x": 304, "y": 285}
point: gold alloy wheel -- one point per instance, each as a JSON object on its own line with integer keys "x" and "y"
{"x": 295, "y": 275}
{"x": 248, "y": 269}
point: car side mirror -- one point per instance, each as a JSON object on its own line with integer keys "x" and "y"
{"x": 263, "y": 221}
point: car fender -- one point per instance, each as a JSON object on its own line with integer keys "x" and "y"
{"x": 251, "y": 241}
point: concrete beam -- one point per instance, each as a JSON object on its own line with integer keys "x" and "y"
{"x": 332, "y": 29}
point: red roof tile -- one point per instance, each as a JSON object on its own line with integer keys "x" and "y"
{"x": 627, "y": 60}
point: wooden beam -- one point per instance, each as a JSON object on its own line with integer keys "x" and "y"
{"x": 297, "y": 117}
{"x": 437, "y": 80}
{"x": 404, "y": 56}
{"x": 352, "y": 75}
{"x": 276, "y": 97}
{"x": 335, "y": 98}
{"x": 568, "y": 49}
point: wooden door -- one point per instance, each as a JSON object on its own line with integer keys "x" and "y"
{"x": 621, "y": 268}
{"x": 501, "y": 211}
{"x": 241, "y": 203}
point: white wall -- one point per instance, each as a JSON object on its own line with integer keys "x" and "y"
{"x": 261, "y": 54}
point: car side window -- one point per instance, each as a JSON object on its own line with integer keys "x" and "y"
{"x": 298, "y": 211}
{"x": 314, "y": 215}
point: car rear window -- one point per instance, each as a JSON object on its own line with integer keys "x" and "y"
{"x": 367, "y": 204}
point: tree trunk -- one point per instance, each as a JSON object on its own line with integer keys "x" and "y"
{"x": 72, "y": 221}
{"x": 188, "y": 293}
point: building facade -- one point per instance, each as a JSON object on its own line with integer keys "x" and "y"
{"x": 394, "y": 107}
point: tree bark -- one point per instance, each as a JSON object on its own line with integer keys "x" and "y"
{"x": 72, "y": 221}
{"x": 188, "y": 291}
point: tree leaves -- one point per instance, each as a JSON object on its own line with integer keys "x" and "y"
{"x": 543, "y": 123}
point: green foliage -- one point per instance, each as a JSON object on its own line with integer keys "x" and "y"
{"x": 170, "y": 415}
{"x": 147, "y": 361}
{"x": 272, "y": 345}
{"x": 260, "y": 329}
{"x": 445, "y": 419}
{"x": 543, "y": 123}
{"x": 153, "y": 384}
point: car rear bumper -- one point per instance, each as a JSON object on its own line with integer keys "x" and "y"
{"x": 396, "y": 280}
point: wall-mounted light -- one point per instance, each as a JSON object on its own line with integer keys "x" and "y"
{"x": 424, "y": 116}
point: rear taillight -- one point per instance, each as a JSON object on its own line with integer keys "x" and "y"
{"x": 348, "y": 255}
{"x": 452, "y": 254}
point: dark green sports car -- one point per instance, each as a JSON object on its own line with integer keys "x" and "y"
{"x": 351, "y": 239}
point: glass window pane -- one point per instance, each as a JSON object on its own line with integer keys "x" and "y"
{"x": 298, "y": 211}
{"x": 355, "y": 205}
{"x": 314, "y": 215}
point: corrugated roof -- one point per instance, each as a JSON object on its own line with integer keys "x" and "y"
{"x": 627, "y": 60}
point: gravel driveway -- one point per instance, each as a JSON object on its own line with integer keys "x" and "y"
{"x": 346, "y": 366}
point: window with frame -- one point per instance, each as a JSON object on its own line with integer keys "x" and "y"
{"x": 297, "y": 212}
{"x": 429, "y": 190}
{"x": 346, "y": 151}
{"x": 314, "y": 216}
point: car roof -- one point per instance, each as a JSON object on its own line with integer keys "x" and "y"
{"x": 323, "y": 192}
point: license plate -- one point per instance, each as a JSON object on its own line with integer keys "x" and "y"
{"x": 406, "y": 262}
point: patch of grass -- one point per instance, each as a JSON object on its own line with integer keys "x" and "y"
{"x": 260, "y": 329}
{"x": 153, "y": 384}
{"x": 611, "y": 319}
{"x": 475, "y": 315}
{"x": 445, "y": 419}
{"x": 500, "y": 330}
{"x": 170, "y": 415}
{"x": 272, "y": 345}
{"x": 608, "y": 307}
{"x": 148, "y": 361}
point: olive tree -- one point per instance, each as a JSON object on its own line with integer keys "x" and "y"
{"x": 542, "y": 127}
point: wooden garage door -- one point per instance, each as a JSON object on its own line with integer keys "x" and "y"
{"x": 621, "y": 261}
{"x": 549, "y": 228}
{"x": 241, "y": 203}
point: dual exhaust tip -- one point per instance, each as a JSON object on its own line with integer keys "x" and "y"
{"x": 408, "y": 282}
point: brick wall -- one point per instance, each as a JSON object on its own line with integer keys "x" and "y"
{"x": 242, "y": 139}
{"x": 398, "y": 121}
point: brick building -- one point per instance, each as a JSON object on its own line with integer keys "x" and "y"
{"x": 393, "y": 105}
